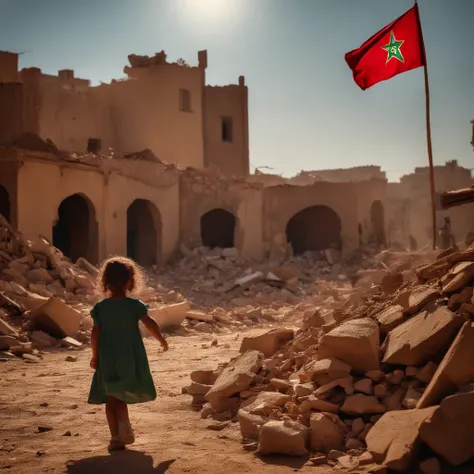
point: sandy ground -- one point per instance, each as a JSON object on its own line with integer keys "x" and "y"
{"x": 171, "y": 438}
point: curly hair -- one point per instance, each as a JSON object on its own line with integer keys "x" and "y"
{"x": 116, "y": 272}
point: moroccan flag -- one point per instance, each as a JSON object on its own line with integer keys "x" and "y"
{"x": 395, "y": 49}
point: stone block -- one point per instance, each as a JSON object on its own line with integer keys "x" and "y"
{"x": 390, "y": 318}
{"x": 355, "y": 342}
{"x": 394, "y": 439}
{"x": 449, "y": 431}
{"x": 57, "y": 318}
{"x": 237, "y": 376}
{"x": 456, "y": 368}
{"x": 327, "y": 432}
{"x": 284, "y": 437}
{"x": 422, "y": 337}
{"x": 267, "y": 343}
{"x": 360, "y": 404}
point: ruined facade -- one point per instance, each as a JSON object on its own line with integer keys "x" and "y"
{"x": 162, "y": 106}
{"x": 160, "y": 177}
{"x": 409, "y": 204}
{"x": 95, "y": 206}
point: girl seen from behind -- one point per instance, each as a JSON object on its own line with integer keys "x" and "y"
{"x": 122, "y": 373}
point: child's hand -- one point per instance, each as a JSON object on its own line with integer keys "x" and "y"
{"x": 164, "y": 344}
{"x": 93, "y": 363}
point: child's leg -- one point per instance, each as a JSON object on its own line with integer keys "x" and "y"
{"x": 121, "y": 411}
{"x": 123, "y": 422}
{"x": 110, "y": 410}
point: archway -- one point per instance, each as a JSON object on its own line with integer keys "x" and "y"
{"x": 314, "y": 228}
{"x": 76, "y": 232}
{"x": 377, "y": 218}
{"x": 218, "y": 229}
{"x": 4, "y": 203}
{"x": 143, "y": 232}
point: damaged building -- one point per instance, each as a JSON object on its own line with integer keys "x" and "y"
{"x": 158, "y": 159}
{"x": 84, "y": 186}
{"x": 409, "y": 204}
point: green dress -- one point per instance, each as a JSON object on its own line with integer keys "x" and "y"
{"x": 122, "y": 370}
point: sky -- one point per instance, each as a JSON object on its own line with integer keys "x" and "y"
{"x": 305, "y": 111}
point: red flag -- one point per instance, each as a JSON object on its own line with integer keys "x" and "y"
{"x": 395, "y": 49}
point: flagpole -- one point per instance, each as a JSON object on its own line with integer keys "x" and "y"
{"x": 428, "y": 137}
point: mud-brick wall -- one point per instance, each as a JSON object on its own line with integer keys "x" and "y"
{"x": 70, "y": 118}
{"x": 281, "y": 203}
{"x": 372, "y": 209}
{"x": 9, "y": 167}
{"x": 8, "y": 67}
{"x": 231, "y": 157}
{"x": 145, "y": 113}
{"x": 201, "y": 192}
{"x": 11, "y": 112}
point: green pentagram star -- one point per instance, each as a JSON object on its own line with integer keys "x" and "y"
{"x": 393, "y": 49}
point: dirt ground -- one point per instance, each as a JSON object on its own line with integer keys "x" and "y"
{"x": 171, "y": 438}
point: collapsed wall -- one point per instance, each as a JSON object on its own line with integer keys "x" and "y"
{"x": 377, "y": 378}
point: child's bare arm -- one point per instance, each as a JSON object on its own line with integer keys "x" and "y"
{"x": 95, "y": 345}
{"x": 151, "y": 325}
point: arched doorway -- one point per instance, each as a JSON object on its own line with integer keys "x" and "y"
{"x": 314, "y": 228}
{"x": 4, "y": 203}
{"x": 377, "y": 218}
{"x": 76, "y": 231}
{"x": 143, "y": 232}
{"x": 218, "y": 229}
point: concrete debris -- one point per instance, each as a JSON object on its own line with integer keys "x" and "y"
{"x": 367, "y": 374}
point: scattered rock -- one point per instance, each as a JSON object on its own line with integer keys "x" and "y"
{"x": 284, "y": 437}
{"x": 422, "y": 337}
{"x": 360, "y": 404}
{"x": 318, "y": 459}
{"x": 456, "y": 369}
{"x": 394, "y": 438}
{"x": 327, "y": 432}
{"x": 237, "y": 376}
{"x": 449, "y": 431}
{"x": 355, "y": 342}
{"x": 267, "y": 343}
{"x": 44, "y": 428}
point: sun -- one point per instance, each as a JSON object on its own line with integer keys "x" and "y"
{"x": 210, "y": 11}
{"x": 208, "y": 7}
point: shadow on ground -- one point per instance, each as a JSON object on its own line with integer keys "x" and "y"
{"x": 124, "y": 462}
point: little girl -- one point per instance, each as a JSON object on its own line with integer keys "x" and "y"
{"x": 122, "y": 374}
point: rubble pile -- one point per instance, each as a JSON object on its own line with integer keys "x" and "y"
{"x": 45, "y": 299}
{"x": 372, "y": 381}
{"x": 221, "y": 276}
{"x": 228, "y": 292}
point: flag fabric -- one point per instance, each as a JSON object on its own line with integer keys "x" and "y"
{"x": 395, "y": 49}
